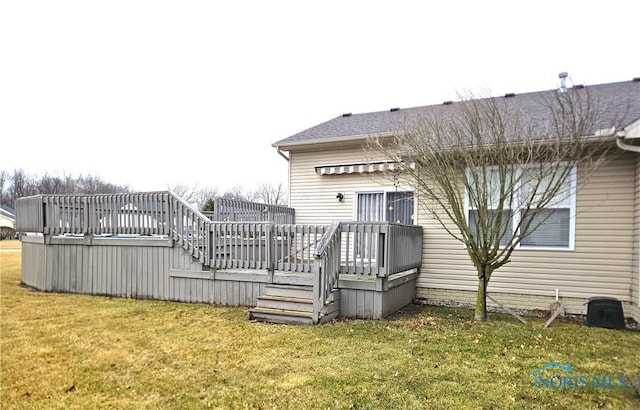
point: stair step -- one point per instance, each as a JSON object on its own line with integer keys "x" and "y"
{"x": 289, "y": 291}
{"x": 282, "y": 316}
{"x": 329, "y": 316}
{"x": 285, "y": 303}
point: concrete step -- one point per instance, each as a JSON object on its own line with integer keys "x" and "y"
{"x": 289, "y": 291}
{"x": 285, "y": 303}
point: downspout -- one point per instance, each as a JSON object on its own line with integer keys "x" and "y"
{"x": 632, "y": 148}
{"x": 282, "y": 154}
{"x": 288, "y": 174}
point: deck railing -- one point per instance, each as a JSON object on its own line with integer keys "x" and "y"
{"x": 296, "y": 245}
{"x": 190, "y": 228}
{"x": 375, "y": 249}
{"x": 238, "y": 245}
{"x": 379, "y": 248}
{"x": 327, "y": 268}
{"x": 142, "y": 214}
{"x": 244, "y": 211}
{"x": 366, "y": 248}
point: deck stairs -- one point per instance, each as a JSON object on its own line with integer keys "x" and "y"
{"x": 292, "y": 304}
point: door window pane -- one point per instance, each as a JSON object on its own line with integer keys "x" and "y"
{"x": 370, "y": 207}
{"x": 400, "y": 207}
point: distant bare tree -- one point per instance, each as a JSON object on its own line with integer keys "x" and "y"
{"x": 95, "y": 185}
{"x": 3, "y": 182}
{"x": 51, "y": 184}
{"x": 490, "y": 175}
{"x": 21, "y": 185}
{"x": 271, "y": 194}
{"x": 188, "y": 193}
{"x": 237, "y": 193}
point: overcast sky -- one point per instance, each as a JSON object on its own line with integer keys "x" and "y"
{"x": 155, "y": 93}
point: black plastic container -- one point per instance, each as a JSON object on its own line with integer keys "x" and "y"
{"x": 605, "y": 312}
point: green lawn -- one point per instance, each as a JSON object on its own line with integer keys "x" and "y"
{"x": 76, "y": 351}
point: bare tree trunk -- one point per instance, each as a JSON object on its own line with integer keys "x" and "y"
{"x": 481, "y": 295}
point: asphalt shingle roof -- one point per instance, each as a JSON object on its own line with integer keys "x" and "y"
{"x": 5, "y": 210}
{"x": 619, "y": 102}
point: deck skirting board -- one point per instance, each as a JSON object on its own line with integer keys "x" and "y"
{"x": 113, "y": 267}
{"x": 376, "y": 299}
{"x": 189, "y": 274}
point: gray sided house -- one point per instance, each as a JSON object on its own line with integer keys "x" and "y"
{"x": 7, "y": 222}
{"x": 331, "y": 178}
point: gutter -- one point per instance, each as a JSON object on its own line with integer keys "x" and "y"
{"x": 312, "y": 142}
{"x": 632, "y": 132}
{"x": 624, "y": 146}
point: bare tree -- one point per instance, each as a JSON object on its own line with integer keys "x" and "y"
{"x": 270, "y": 194}
{"x": 187, "y": 193}
{"x": 21, "y": 185}
{"x": 237, "y": 193}
{"x": 3, "y": 182}
{"x": 53, "y": 184}
{"x": 490, "y": 172}
{"x": 91, "y": 184}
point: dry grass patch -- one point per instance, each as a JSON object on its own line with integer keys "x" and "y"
{"x": 10, "y": 244}
{"x": 77, "y": 351}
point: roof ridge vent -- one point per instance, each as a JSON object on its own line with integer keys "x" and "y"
{"x": 448, "y": 102}
{"x": 394, "y": 109}
{"x": 578, "y": 86}
{"x": 509, "y": 95}
{"x": 636, "y": 79}
{"x": 346, "y": 114}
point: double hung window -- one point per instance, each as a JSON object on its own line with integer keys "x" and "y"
{"x": 551, "y": 223}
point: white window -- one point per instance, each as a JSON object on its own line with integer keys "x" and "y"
{"x": 495, "y": 209}
{"x": 552, "y": 223}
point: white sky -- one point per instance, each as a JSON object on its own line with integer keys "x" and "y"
{"x": 155, "y": 93}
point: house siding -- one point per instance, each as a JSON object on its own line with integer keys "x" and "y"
{"x": 314, "y": 196}
{"x": 602, "y": 263}
{"x": 635, "y": 292}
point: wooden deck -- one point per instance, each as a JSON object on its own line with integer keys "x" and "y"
{"x": 155, "y": 246}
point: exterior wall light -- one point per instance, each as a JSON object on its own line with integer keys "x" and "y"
{"x": 340, "y": 196}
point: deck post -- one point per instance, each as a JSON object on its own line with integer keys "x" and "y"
{"x": 271, "y": 251}
{"x": 317, "y": 290}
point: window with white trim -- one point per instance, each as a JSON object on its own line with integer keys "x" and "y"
{"x": 389, "y": 206}
{"x": 554, "y": 222}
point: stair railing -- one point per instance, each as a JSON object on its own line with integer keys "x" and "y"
{"x": 190, "y": 228}
{"x": 326, "y": 268}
